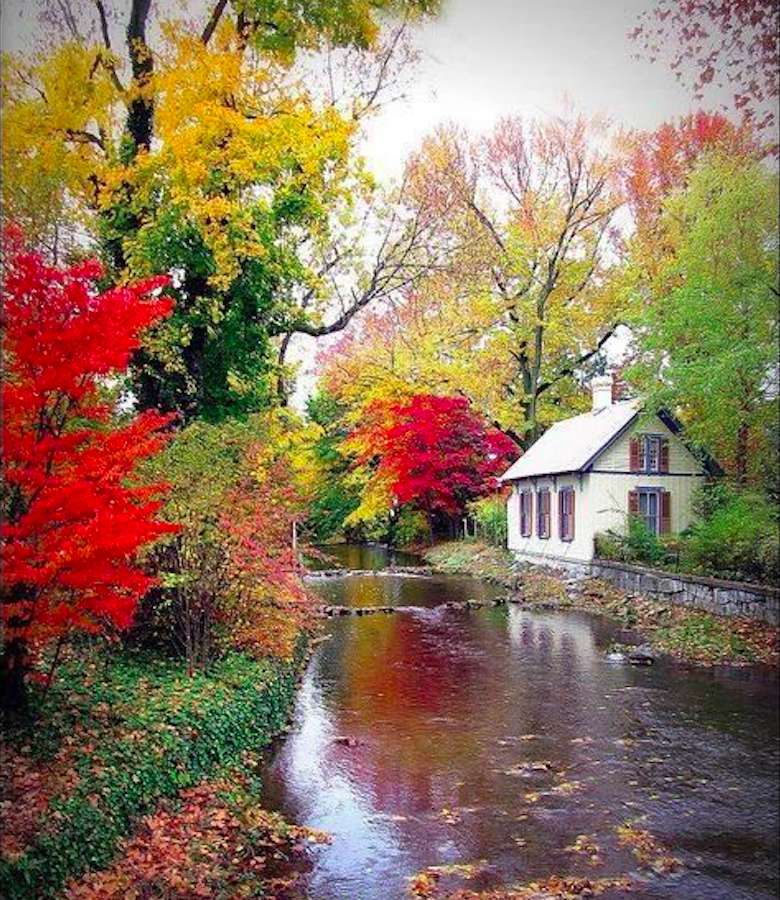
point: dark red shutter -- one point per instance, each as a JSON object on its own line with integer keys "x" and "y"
{"x": 664, "y": 456}
{"x": 571, "y": 516}
{"x": 525, "y": 513}
{"x": 520, "y": 507}
{"x": 633, "y": 503}
{"x": 530, "y": 497}
{"x": 633, "y": 454}
{"x": 666, "y": 512}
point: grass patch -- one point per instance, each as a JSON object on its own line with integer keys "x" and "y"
{"x": 706, "y": 638}
{"x": 473, "y": 558}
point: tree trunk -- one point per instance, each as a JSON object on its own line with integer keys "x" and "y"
{"x": 13, "y": 693}
{"x": 740, "y": 463}
{"x": 282, "y": 386}
{"x": 141, "y": 111}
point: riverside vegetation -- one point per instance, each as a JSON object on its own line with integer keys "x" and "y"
{"x": 183, "y": 194}
{"x": 685, "y": 634}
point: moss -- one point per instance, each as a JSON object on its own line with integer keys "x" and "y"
{"x": 116, "y": 735}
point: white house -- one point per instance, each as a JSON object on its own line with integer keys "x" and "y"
{"x": 588, "y": 473}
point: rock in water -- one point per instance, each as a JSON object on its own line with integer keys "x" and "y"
{"x": 642, "y": 656}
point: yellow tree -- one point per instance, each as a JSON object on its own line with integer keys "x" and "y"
{"x": 533, "y": 212}
{"x": 191, "y": 148}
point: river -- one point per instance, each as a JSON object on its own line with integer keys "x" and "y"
{"x": 496, "y": 737}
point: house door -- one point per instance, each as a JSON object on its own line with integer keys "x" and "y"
{"x": 649, "y": 510}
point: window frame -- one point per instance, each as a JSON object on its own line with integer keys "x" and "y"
{"x": 657, "y": 492}
{"x": 646, "y": 441}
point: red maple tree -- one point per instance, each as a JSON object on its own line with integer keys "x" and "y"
{"x": 73, "y": 518}
{"x": 435, "y": 452}
{"x": 660, "y": 161}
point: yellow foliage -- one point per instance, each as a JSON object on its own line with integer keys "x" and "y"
{"x": 288, "y": 438}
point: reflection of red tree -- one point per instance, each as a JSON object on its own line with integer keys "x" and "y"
{"x": 403, "y": 679}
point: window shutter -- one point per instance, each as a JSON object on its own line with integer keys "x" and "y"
{"x": 525, "y": 513}
{"x": 547, "y": 514}
{"x": 530, "y": 500}
{"x": 664, "y": 456}
{"x": 571, "y": 515}
{"x": 633, "y": 454}
{"x": 538, "y": 514}
{"x": 561, "y": 502}
{"x": 666, "y": 512}
{"x": 633, "y": 503}
{"x": 521, "y": 511}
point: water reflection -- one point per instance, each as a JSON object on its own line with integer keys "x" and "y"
{"x": 416, "y": 733}
{"x": 362, "y": 556}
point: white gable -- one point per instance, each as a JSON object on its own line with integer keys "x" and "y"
{"x": 568, "y": 445}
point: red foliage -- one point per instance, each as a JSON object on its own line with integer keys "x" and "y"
{"x": 268, "y": 604}
{"x": 73, "y": 522}
{"x": 436, "y": 453}
{"x": 712, "y": 41}
{"x": 661, "y": 160}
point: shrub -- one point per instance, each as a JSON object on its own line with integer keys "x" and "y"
{"x": 229, "y": 577}
{"x": 490, "y": 515}
{"x": 410, "y": 527}
{"x": 639, "y": 544}
{"x": 738, "y": 539}
{"x": 146, "y": 731}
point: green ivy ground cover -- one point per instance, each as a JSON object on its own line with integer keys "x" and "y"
{"x": 129, "y": 730}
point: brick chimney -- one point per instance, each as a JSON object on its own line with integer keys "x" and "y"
{"x": 601, "y": 386}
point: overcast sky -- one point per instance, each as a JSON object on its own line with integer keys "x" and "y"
{"x": 486, "y": 58}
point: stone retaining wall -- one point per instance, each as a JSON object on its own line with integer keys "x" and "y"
{"x": 725, "y": 598}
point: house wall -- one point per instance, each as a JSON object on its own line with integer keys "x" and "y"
{"x": 608, "y": 498}
{"x": 601, "y": 496}
{"x": 581, "y": 548}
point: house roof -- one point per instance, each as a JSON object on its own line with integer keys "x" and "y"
{"x": 572, "y": 444}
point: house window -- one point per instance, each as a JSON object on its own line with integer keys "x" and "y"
{"x": 543, "y": 513}
{"x": 650, "y": 510}
{"x": 566, "y": 514}
{"x": 649, "y": 453}
{"x": 653, "y": 506}
{"x": 526, "y": 520}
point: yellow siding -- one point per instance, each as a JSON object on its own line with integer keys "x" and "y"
{"x": 608, "y": 498}
{"x": 616, "y": 457}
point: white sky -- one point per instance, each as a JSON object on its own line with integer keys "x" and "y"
{"x": 483, "y": 59}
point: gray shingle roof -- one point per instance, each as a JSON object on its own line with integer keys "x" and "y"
{"x": 569, "y": 446}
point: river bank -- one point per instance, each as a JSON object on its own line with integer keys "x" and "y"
{"x": 687, "y": 635}
{"x": 131, "y": 764}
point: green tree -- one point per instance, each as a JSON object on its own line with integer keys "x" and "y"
{"x": 335, "y": 496}
{"x": 710, "y": 326}
{"x": 191, "y": 147}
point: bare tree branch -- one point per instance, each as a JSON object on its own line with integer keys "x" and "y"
{"x": 211, "y": 25}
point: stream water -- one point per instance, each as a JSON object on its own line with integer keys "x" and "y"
{"x": 497, "y": 736}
